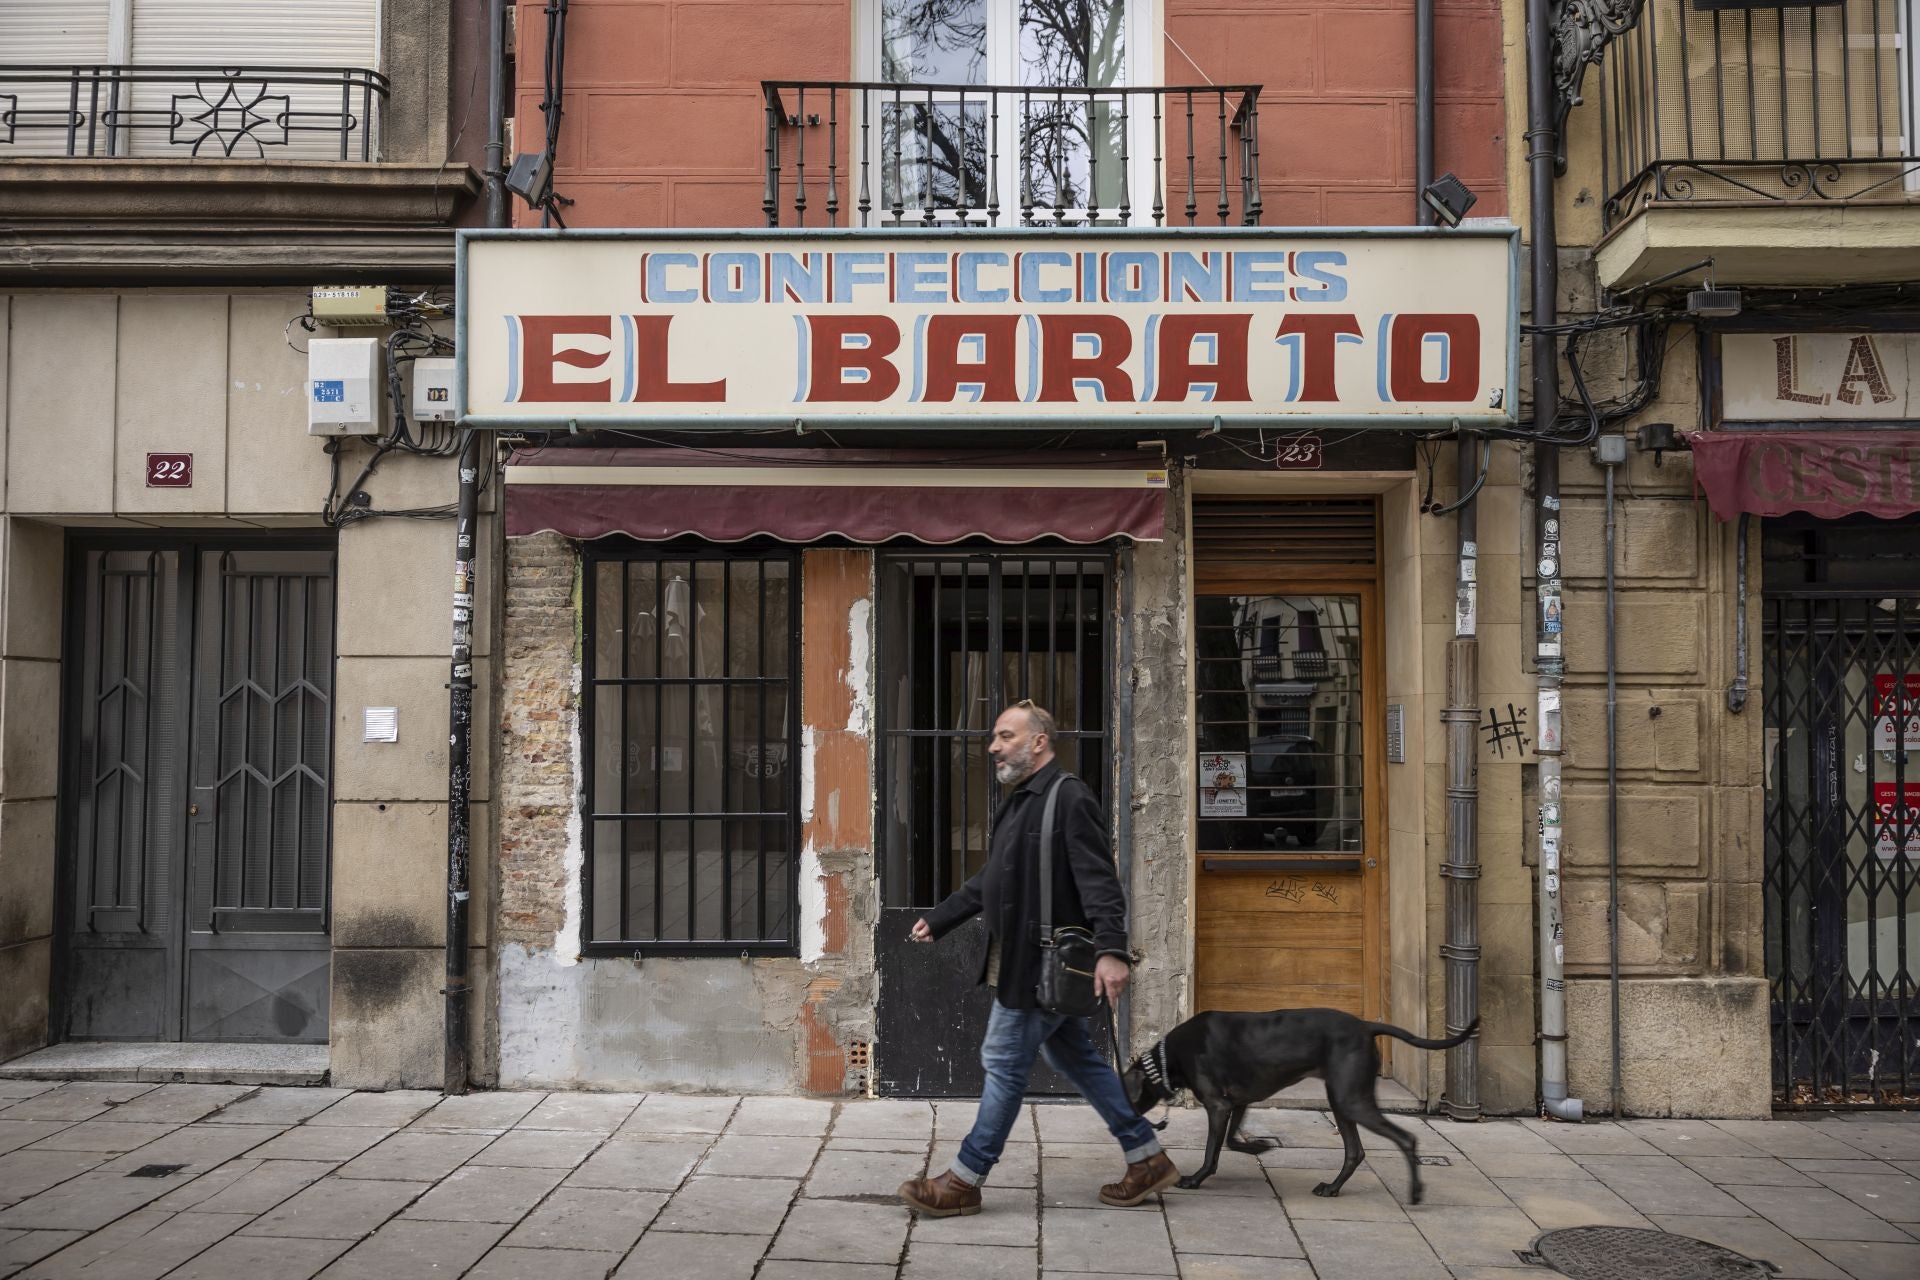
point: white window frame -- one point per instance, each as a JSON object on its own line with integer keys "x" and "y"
{"x": 1003, "y": 68}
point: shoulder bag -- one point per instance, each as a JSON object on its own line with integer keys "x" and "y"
{"x": 1067, "y": 955}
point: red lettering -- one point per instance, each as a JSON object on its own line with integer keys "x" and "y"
{"x": 1060, "y": 367}
{"x": 1319, "y": 338}
{"x": 831, "y": 359}
{"x": 993, "y": 372}
{"x": 652, "y": 383}
{"x": 1178, "y": 369}
{"x": 1785, "y": 354}
{"x": 542, "y": 350}
{"x": 1460, "y": 369}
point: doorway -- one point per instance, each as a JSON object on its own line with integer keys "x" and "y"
{"x": 1841, "y": 680}
{"x": 1290, "y": 844}
{"x": 195, "y": 798}
{"x": 961, "y": 636}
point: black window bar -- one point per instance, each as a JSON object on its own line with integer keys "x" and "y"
{"x": 207, "y": 111}
{"x": 1724, "y": 100}
{"x": 961, "y": 637}
{"x": 690, "y": 723}
{"x": 935, "y": 157}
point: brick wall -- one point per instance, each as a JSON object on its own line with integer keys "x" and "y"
{"x": 1337, "y": 112}
{"x": 664, "y": 124}
{"x": 775, "y": 1024}
{"x": 537, "y": 720}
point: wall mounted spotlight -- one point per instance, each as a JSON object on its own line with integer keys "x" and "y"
{"x": 1449, "y": 198}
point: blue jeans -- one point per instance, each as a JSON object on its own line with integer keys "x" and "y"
{"x": 1014, "y": 1037}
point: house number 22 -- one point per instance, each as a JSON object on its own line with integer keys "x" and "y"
{"x": 169, "y": 471}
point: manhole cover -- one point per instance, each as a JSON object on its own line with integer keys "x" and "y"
{"x": 1631, "y": 1253}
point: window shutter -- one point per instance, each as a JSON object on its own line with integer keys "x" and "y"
{"x": 310, "y": 33}
{"x": 257, "y": 33}
{"x": 60, "y": 34}
{"x": 1245, "y": 533}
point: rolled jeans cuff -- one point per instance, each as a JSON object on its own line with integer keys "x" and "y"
{"x": 1145, "y": 1151}
{"x": 971, "y": 1178}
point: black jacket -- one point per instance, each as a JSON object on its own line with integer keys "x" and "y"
{"x": 1086, "y": 888}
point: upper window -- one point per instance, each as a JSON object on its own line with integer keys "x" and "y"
{"x": 246, "y": 79}
{"x": 690, "y": 717}
{"x": 1010, "y": 112}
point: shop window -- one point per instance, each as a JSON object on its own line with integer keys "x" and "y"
{"x": 690, "y": 731}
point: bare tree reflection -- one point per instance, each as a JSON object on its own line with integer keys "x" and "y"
{"x": 936, "y": 150}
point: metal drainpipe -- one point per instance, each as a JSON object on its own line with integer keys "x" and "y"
{"x": 1737, "y": 691}
{"x": 1422, "y": 111}
{"x": 1547, "y": 647}
{"x": 1613, "y": 805}
{"x": 1123, "y": 789}
{"x": 496, "y": 173}
{"x": 454, "y": 1064}
{"x": 1461, "y": 870}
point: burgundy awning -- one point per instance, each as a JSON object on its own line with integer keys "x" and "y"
{"x": 1825, "y": 473}
{"x": 802, "y": 495}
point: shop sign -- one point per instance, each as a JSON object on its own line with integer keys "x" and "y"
{"x": 1223, "y": 784}
{"x": 1807, "y": 377}
{"x": 946, "y": 328}
{"x": 1825, "y": 473}
{"x": 1896, "y": 713}
{"x": 1896, "y": 810}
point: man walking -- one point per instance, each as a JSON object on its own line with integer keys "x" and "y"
{"x": 1086, "y": 893}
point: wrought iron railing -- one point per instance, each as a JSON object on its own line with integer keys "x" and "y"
{"x": 1734, "y": 100}
{"x": 869, "y": 153}
{"x": 228, "y": 112}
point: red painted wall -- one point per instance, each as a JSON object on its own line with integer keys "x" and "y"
{"x": 664, "y": 124}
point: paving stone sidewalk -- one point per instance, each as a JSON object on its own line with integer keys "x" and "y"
{"x": 215, "y": 1182}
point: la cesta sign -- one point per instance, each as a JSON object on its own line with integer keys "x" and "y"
{"x": 958, "y": 328}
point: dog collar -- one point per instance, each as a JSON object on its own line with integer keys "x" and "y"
{"x": 1154, "y": 1063}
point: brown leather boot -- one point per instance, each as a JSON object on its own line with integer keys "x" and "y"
{"x": 943, "y": 1197}
{"x": 1144, "y": 1178}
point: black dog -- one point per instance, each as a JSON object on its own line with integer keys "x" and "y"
{"x": 1231, "y": 1060}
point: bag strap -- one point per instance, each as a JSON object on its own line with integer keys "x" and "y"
{"x": 1046, "y": 860}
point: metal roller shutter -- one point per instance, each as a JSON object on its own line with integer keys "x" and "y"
{"x": 257, "y": 33}
{"x": 1236, "y": 532}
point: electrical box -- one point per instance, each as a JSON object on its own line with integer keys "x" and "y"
{"x": 433, "y": 389}
{"x": 350, "y": 306}
{"x": 1610, "y": 450}
{"x": 345, "y": 390}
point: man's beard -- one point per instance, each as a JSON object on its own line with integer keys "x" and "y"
{"x": 1017, "y": 764}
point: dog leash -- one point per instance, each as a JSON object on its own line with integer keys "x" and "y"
{"x": 1153, "y": 1062}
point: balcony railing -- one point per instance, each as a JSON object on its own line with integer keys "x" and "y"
{"x": 867, "y": 153}
{"x": 1716, "y": 101}
{"x": 294, "y": 113}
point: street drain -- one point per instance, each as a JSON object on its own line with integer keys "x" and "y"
{"x": 1632, "y": 1253}
{"x": 156, "y": 1170}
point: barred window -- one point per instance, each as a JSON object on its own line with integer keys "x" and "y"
{"x": 691, "y": 712}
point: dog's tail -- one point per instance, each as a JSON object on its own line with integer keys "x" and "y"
{"x": 1421, "y": 1042}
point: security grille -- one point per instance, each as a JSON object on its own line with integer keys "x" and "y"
{"x": 690, "y": 723}
{"x": 1842, "y": 689}
{"x": 961, "y": 636}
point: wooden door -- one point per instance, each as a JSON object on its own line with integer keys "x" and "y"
{"x": 1290, "y": 858}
